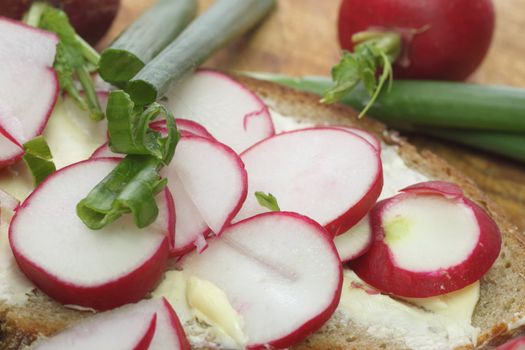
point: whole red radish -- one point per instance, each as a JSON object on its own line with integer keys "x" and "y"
{"x": 91, "y": 18}
{"x": 444, "y": 40}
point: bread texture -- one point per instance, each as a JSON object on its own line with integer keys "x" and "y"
{"x": 502, "y": 296}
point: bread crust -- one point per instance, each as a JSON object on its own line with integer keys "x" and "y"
{"x": 20, "y": 326}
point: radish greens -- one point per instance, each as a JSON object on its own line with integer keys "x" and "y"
{"x": 74, "y": 60}
{"x": 38, "y": 159}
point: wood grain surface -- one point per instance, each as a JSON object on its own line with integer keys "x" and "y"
{"x": 299, "y": 38}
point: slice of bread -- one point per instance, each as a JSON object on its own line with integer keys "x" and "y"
{"x": 502, "y": 297}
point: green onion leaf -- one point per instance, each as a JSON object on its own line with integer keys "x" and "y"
{"x": 130, "y": 188}
{"x": 144, "y": 39}
{"x": 215, "y": 28}
{"x": 129, "y": 130}
{"x": 73, "y": 61}
{"x": 267, "y": 200}
{"x": 38, "y": 159}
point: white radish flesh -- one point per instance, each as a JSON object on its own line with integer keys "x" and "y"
{"x": 26, "y": 44}
{"x": 128, "y": 327}
{"x": 231, "y": 113}
{"x": 328, "y": 174}
{"x": 100, "y": 269}
{"x": 354, "y": 242}
{"x": 104, "y": 151}
{"x": 7, "y": 201}
{"x": 9, "y": 150}
{"x": 213, "y": 176}
{"x": 27, "y": 55}
{"x": 24, "y": 120}
{"x": 280, "y": 271}
{"x": 372, "y": 139}
{"x": 169, "y": 334}
{"x": 208, "y": 183}
{"x": 428, "y": 233}
{"x": 190, "y": 227}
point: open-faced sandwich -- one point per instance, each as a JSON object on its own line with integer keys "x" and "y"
{"x": 234, "y": 214}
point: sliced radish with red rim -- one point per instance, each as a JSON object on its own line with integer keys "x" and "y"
{"x": 100, "y": 269}
{"x": 209, "y": 183}
{"x": 7, "y": 201}
{"x": 371, "y": 138}
{"x": 230, "y": 112}
{"x": 27, "y": 56}
{"x": 148, "y": 325}
{"x": 328, "y": 174}
{"x": 169, "y": 333}
{"x": 354, "y": 242}
{"x": 104, "y": 152}
{"x": 11, "y": 151}
{"x": 186, "y": 127}
{"x": 26, "y": 44}
{"x": 277, "y": 267}
{"x": 128, "y": 327}
{"x": 428, "y": 243}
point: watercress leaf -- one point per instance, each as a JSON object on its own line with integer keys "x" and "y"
{"x": 374, "y": 52}
{"x": 267, "y": 200}
{"x": 38, "y": 159}
{"x": 73, "y": 60}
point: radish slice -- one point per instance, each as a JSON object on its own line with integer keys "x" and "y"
{"x": 148, "y": 325}
{"x": 207, "y": 194}
{"x": 230, "y": 112}
{"x": 428, "y": 244}
{"x": 21, "y": 119}
{"x": 129, "y": 327}
{"x": 354, "y": 242}
{"x": 7, "y": 201}
{"x": 190, "y": 227}
{"x": 27, "y": 56}
{"x": 186, "y": 128}
{"x": 169, "y": 333}
{"x": 281, "y": 273}
{"x": 327, "y": 174}
{"x": 99, "y": 269}
{"x": 372, "y": 139}
{"x": 216, "y": 185}
{"x": 10, "y": 151}
{"x": 104, "y": 152}
{"x": 439, "y": 187}
{"x": 26, "y": 44}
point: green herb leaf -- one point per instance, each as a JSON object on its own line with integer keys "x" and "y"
{"x": 38, "y": 159}
{"x": 267, "y": 200}
{"x": 373, "y": 51}
{"x": 73, "y": 60}
{"x": 130, "y": 188}
{"x": 129, "y": 130}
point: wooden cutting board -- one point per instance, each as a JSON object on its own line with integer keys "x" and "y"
{"x": 299, "y": 38}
